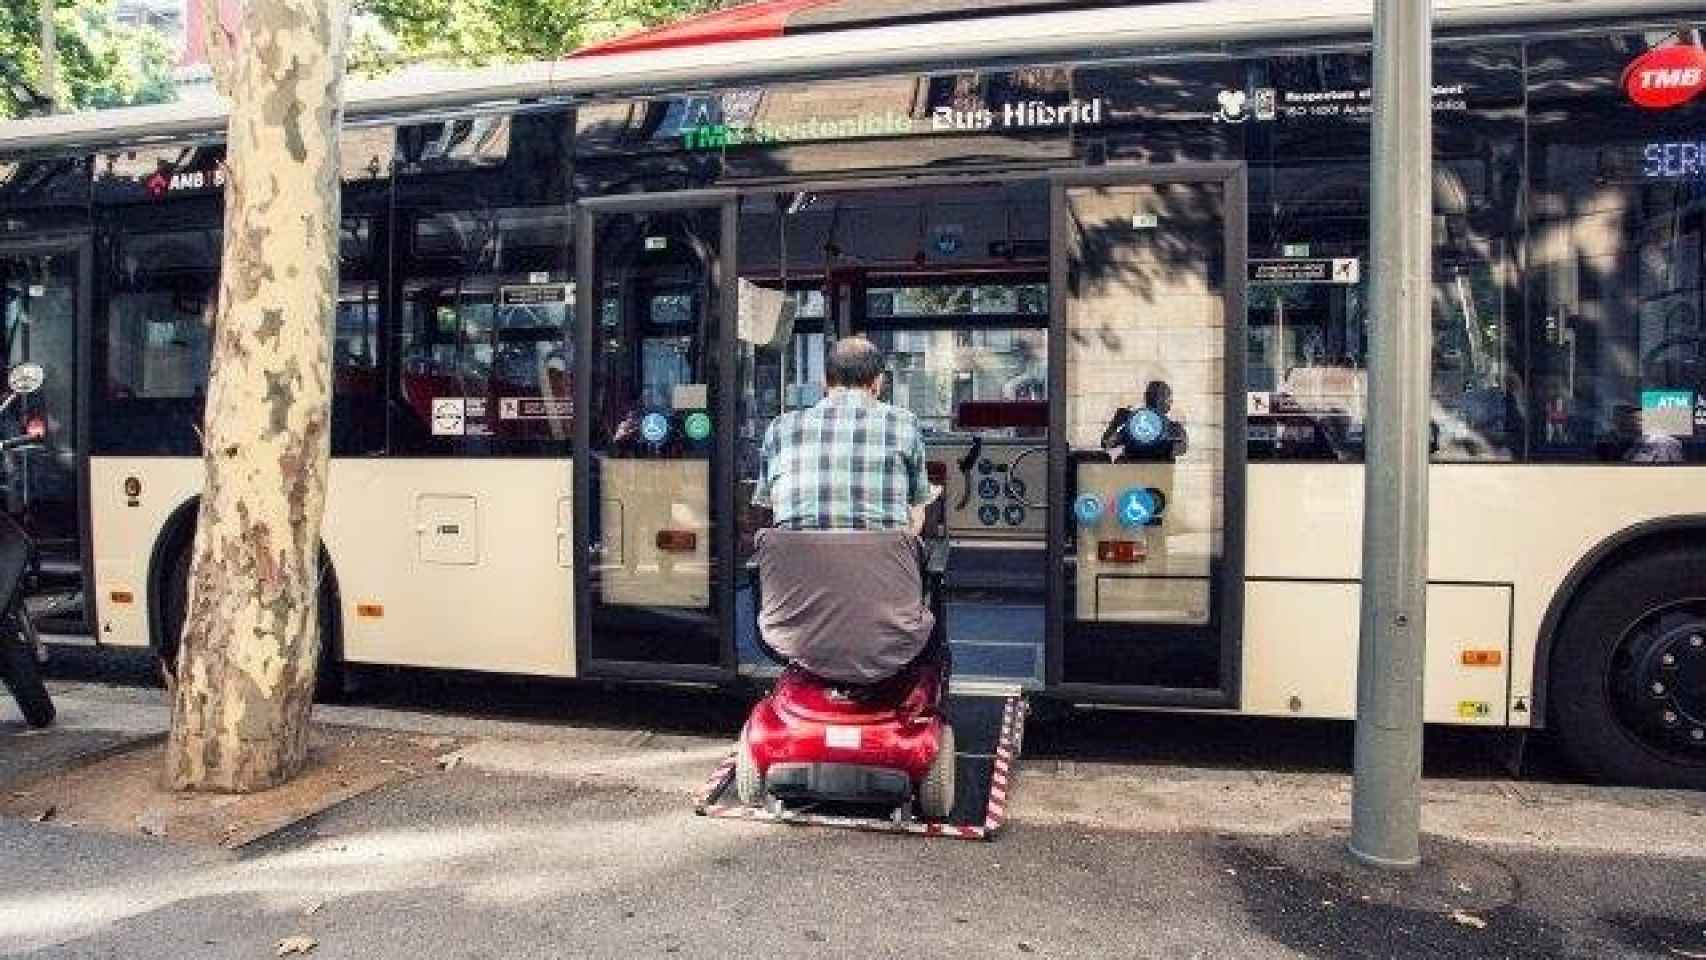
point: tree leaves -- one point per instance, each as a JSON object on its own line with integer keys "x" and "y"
{"x": 392, "y": 33}
{"x": 102, "y": 63}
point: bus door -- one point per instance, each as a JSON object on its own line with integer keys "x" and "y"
{"x": 1146, "y": 439}
{"x": 44, "y": 300}
{"x": 653, "y": 455}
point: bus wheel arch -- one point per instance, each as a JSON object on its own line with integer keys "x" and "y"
{"x": 168, "y": 586}
{"x": 1624, "y": 617}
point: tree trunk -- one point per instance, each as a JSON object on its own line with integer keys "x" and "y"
{"x": 245, "y": 679}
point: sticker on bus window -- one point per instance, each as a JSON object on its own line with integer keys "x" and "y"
{"x": 1668, "y": 412}
{"x": 697, "y": 426}
{"x": 535, "y": 408}
{"x": 690, "y": 396}
{"x": 449, "y": 417}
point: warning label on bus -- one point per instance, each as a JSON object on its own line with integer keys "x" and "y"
{"x": 534, "y": 294}
{"x": 1345, "y": 270}
{"x": 534, "y": 408}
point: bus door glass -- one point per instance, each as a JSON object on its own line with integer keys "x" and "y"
{"x": 40, "y": 296}
{"x": 1149, "y": 273}
{"x": 651, "y": 527}
{"x": 788, "y": 305}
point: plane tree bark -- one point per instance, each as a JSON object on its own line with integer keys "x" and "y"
{"x": 244, "y": 683}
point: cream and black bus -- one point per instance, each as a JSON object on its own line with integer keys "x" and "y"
{"x": 1118, "y": 257}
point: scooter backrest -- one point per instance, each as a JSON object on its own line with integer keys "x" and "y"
{"x": 847, "y": 605}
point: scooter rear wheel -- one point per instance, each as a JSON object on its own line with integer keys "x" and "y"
{"x": 936, "y": 792}
{"x": 22, "y": 676}
{"x": 749, "y": 782}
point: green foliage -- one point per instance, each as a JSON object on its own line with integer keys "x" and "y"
{"x": 481, "y": 32}
{"x": 101, "y": 63}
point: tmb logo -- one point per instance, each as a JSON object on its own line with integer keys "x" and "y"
{"x": 1666, "y": 77}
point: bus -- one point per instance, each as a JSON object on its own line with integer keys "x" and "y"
{"x": 573, "y": 295}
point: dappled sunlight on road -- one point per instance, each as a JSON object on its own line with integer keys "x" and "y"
{"x": 574, "y": 848}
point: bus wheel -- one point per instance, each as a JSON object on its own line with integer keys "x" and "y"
{"x": 1629, "y": 672}
{"x": 174, "y": 609}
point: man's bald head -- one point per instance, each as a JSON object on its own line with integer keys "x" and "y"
{"x": 854, "y": 362}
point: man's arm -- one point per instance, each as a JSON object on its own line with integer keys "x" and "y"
{"x": 766, "y": 452}
{"x": 920, "y": 493}
{"x": 921, "y": 512}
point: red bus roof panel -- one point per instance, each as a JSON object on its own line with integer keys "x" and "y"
{"x": 778, "y": 18}
{"x": 751, "y": 21}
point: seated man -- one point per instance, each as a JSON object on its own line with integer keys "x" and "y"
{"x": 842, "y": 570}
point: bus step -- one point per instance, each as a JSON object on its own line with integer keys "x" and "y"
{"x": 989, "y": 732}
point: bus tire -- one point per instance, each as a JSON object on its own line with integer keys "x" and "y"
{"x": 1627, "y": 698}
{"x": 174, "y": 609}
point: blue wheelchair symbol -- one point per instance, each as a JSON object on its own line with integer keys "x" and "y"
{"x": 1137, "y": 507}
{"x": 1088, "y": 508}
{"x": 654, "y": 427}
{"x": 1146, "y": 427}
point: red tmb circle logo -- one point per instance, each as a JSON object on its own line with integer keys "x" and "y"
{"x": 1666, "y": 77}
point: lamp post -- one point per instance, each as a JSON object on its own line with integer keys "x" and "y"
{"x": 1386, "y": 794}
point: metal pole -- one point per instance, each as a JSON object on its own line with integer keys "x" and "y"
{"x": 1386, "y": 796}
{"x": 49, "y": 54}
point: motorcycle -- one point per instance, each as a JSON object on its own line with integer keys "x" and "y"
{"x": 20, "y": 645}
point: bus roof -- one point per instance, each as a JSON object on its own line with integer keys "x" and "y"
{"x": 1084, "y": 32}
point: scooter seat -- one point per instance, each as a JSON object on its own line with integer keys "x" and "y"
{"x": 911, "y": 693}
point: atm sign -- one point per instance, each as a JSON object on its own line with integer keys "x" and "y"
{"x": 1666, "y": 77}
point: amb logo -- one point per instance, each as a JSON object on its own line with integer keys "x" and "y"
{"x": 1666, "y": 77}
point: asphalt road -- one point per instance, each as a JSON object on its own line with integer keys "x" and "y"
{"x": 481, "y": 862}
{"x": 468, "y": 865}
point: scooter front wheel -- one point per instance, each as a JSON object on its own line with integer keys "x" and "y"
{"x": 22, "y": 676}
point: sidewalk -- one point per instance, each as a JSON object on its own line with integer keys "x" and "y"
{"x": 548, "y": 840}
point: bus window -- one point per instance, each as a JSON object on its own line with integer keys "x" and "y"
{"x": 484, "y": 352}
{"x": 358, "y": 384}
{"x": 1308, "y": 295}
{"x": 1617, "y": 261}
{"x": 935, "y": 372}
{"x": 157, "y": 338}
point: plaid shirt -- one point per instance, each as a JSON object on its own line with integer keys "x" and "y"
{"x": 850, "y": 462}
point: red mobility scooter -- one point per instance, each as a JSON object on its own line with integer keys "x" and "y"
{"x": 856, "y": 717}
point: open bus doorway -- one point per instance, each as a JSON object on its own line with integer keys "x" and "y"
{"x": 950, "y": 280}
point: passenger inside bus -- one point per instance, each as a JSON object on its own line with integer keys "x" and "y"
{"x": 1147, "y": 432}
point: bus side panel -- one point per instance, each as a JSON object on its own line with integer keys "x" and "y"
{"x": 459, "y": 564}
{"x": 124, "y": 530}
{"x": 1490, "y": 524}
{"x": 454, "y": 564}
{"x": 1303, "y": 634}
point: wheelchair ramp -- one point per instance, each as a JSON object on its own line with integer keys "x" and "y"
{"x": 989, "y": 730}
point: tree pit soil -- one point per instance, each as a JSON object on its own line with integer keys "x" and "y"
{"x": 121, "y": 792}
